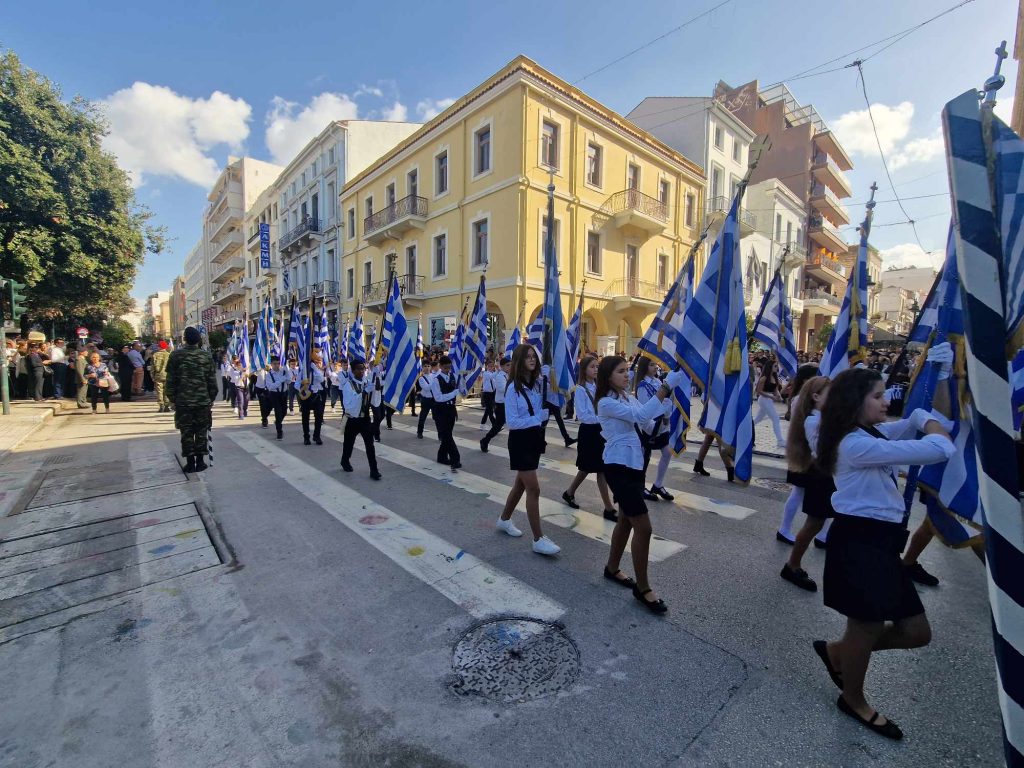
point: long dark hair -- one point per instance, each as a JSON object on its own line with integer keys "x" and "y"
{"x": 643, "y": 365}
{"x": 605, "y": 369}
{"x": 841, "y": 414}
{"x": 521, "y": 377}
{"x": 804, "y": 373}
{"x": 584, "y": 364}
{"x": 798, "y": 451}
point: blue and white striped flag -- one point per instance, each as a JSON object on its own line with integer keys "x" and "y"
{"x": 284, "y": 279}
{"x": 974, "y": 139}
{"x": 403, "y": 365}
{"x": 343, "y": 343}
{"x": 1017, "y": 389}
{"x": 474, "y": 342}
{"x": 455, "y": 349}
{"x": 774, "y": 325}
{"x": 535, "y": 334}
{"x": 296, "y": 338}
{"x": 513, "y": 341}
{"x": 1009, "y": 181}
{"x": 713, "y": 346}
{"x": 323, "y": 337}
{"x": 555, "y": 348}
{"x": 357, "y": 340}
{"x": 847, "y": 344}
{"x": 261, "y": 350}
{"x": 572, "y": 338}
{"x": 243, "y": 344}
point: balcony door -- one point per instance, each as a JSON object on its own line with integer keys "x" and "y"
{"x": 389, "y": 194}
{"x": 632, "y": 268}
{"x": 315, "y": 202}
{"x": 410, "y": 261}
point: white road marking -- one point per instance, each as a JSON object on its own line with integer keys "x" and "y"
{"x": 554, "y": 512}
{"x": 464, "y": 579}
{"x": 690, "y": 500}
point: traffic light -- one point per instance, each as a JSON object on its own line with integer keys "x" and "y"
{"x": 15, "y": 299}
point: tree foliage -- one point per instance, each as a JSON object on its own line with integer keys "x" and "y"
{"x": 70, "y": 226}
{"x": 823, "y": 336}
{"x": 117, "y": 333}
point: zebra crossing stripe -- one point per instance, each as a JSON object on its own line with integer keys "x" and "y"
{"x": 467, "y": 581}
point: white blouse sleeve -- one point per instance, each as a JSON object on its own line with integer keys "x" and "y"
{"x": 628, "y": 409}
{"x": 862, "y": 450}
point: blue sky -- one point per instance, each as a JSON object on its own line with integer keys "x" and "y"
{"x": 279, "y": 69}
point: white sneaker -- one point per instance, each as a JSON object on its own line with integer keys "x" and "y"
{"x": 545, "y": 546}
{"x": 509, "y": 527}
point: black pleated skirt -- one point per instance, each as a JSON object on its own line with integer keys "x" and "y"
{"x": 524, "y": 448}
{"x": 590, "y": 449}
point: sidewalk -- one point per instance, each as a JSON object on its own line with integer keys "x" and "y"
{"x": 25, "y": 418}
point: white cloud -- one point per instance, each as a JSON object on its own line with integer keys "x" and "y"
{"x": 290, "y": 128}
{"x": 431, "y": 108}
{"x": 397, "y": 112}
{"x": 910, "y": 255}
{"x": 918, "y": 151}
{"x": 855, "y": 133}
{"x": 155, "y": 131}
{"x": 368, "y": 90}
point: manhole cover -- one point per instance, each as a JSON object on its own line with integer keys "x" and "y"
{"x": 772, "y": 485}
{"x": 60, "y": 458}
{"x": 514, "y": 659}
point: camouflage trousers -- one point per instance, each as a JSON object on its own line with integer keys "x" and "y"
{"x": 193, "y": 423}
{"x": 161, "y": 397}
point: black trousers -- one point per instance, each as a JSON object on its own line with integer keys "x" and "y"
{"x": 444, "y": 419}
{"x": 225, "y": 388}
{"x": 97, "y": 393}
{"x": 557, "y": 413}
{"x": 363, "y": 428}
{"x": 487, "y": 399}
{"x": 265, "y": 404}
{"x": 380, "y": 413}
{"x": 498, "y": 424}
{"x": 426, "y": 404}
{"x": 279, "y": 404}
{"x": 315, "y": 404}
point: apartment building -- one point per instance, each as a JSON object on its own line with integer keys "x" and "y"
{"x": 261, "y": 232}
{"x": 177, "y": 308}
{"x": 197, "y": 283}
{"x": 466, "y": 196}
{"x": 897, "y": 309}
{"x": 237, "y": 187}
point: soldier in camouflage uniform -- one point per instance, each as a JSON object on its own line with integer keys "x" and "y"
{"x": 158, "y": 371}
{"x": 192, "y": 387}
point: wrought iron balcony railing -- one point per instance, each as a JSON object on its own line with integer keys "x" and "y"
{"x": 409, "y": 285}
{"x": 407, "y": 206}
{"x": 635, "y": 200}
{"x": 721, "y": 204}
{"x": 636, "y": 288}
{"x": 310, "y": 224}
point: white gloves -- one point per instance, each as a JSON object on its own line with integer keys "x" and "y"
{"x": 545, "y": 370}
{"x": 943, "y": 355}
{"x": 674, "y": 379}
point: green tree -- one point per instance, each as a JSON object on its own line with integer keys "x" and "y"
{"x": 218, "y": 339}
{"x": 823, "y": 336}
{"x": 117, "y": 333}
{"x": 70, "y": 226}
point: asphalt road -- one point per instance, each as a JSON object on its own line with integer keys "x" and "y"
{"x": 326, "y": 637}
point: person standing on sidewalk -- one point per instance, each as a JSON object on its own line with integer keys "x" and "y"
{"x": 159, "y": 362}
{"x": 192, "y": 387}
{"x": 99, "y": 382}
{"x": 34, "y": 370}
{"x": 81, "y": 362}
{"x": 138, "y": 364}
{"x": 59, "y": 368}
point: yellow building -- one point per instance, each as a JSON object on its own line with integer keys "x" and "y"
{"x": 467, "y": 195}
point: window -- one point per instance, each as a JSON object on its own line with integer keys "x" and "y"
{"x": 778, "y": 227}
{"x": 594, "y": 253}
{"x": 691, "y": 201}
{"x": 330, "y": 156}
{"x": 549, "y": 144}
{"x": 633, "y": 176}
{"x": 389, "y": 194}
{"x": 789, "y": 232}
{"x": 479, "y": 245}
{"x": 734, "y": 185}
{"x": 316, "y": 164}
{"x": 293, "y": 189}
{"x": 664, "y": 190}
{"x": 389, "y": 265}
{"x": 410, "y": 259}
{"x": 314, "y": 272}
{"x": 441, "y": 173}
{"x": 719, "y": 137}
{"x": 594, "y": 164}
{"x": 329, "y": 265}
{"x": 482, "y": 150}
{"x": 350, "y": 282}
{"x": 737, "y": 151}
{"x": 716, "y": 184}
{"x": 367, "y": 274}
{"x": 663, "y": 270}
{"x": 369, "y": 206}
{"x": 351, "y": 223}
{"x": 305, "y": 274}
{"x": 440, "y": 255}
{"x": 303, "y": 179}
{"x": 412, "y": 182}
{"x": 331, "y": 201}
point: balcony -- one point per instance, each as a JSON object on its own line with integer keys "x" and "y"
{"x": 283, "y": 301}
{"x": 631, "y": 292}
{"x": 227, "y": 245}
{"x": 224, "y": 221}
{"x": 300, "y": 235}
{"x": 410, "y": 286}
{"x": 325, "y": 289}
{"x": 718, "y": 209}
{"x": 825, "y": 268}
{"x": 827, "y": 172}
{"x": 229, "y": 293}
{"x": 814, "y": 298}
{"x": 827, "y": 141}
{"x": 223, "y": 272}
{"x": 826, "y": 201}
{"x": 632, "y": 208}
{"x": 822, "y": 231}
{"x": 394, "y": 221}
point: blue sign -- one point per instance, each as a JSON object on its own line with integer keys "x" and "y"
{"x": 264, "y": 246}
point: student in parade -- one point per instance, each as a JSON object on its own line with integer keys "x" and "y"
{"x": 97, "y": 374}
{"x": 526, "y": 417}
{"x": 260, "y": 391}
{"x": 619, "y": 414}
{"x": 590, "y": 447}
{"x": 334, "y": 383}
{"x": 500, "y": 386}
{"x": 356, "y": 395}
{"x": 276, "y": 383}
{"x": 817, "y": 488}
{"x": 444, "y": 389}
{"x": 240, "y": 384}
{"x": 380, "y": 413}
{"x": 423, "y": 384}
{"x": 723, "y": 452}
{"x": 315, "y": 402}
{"x": 767, "y": 393}
{"x": 556, "y": 410}
{"x": 487, "y": 394}
{"x": 228, "y": 390}
{"x": 796, "y": 494}
{"x": 865, "y": 580}
{"x": 293, "y": 383}
{"x": 656, "y": 434}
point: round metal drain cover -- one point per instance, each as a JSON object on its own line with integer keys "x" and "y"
{"x": 772, "y": 485}
{"x": 513, "y": 659}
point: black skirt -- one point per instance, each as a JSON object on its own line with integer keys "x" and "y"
{"x": 590, "y": 449}
{"x": 627, "y": 486}
{"x": 524, "y": 448}
{"x": 818, "y": 490}
{"x": 864, "y": 575}
{"x": 796, "y": 479}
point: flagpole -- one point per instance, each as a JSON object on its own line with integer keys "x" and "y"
{"x": 547, "y": 352}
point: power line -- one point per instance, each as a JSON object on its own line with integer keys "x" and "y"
{"x": 652, "y": 42}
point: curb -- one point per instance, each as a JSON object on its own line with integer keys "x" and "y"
{"x": 47, "y": 412}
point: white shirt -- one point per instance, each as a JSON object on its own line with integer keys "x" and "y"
{"x": 812, "y": 424}
{"x": 352, "y": 395}
{"x": 57, "y": 355}
{"x": 238, "y": 377}
{"x": 865, "y": 480}
{"x": 293, "y": 374}
{"x": 583, "y": 403}
{"x": 518, "y": 404}
{"x": 488, "y": 380}
{"x": 435, "y": 388}
{"x": 261, "y": 378}
{"x": 423, "y": 383}
{"x": 375, "y": 380}
{"x": 276, "y": 381}
{"x": 649, "y": 388}
{"x": 617, "y": 416}
{"x": 500, "y": 382}
{"x": 316, "y": 379}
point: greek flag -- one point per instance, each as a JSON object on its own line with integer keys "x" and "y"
{"x": 356, "y": 340}
{"x": 712, "y": 346}
{"x": 455, "y": 349}
{"x": 535, "y": 334}
{"x": 261, "y": 350}
{"x": 323, "y": 337}
{"x": 572, "y": 338}
{"x": 474, "y": 342}
{"x": 774, "y": 325}
{"x": 513, "y": 341}
{"x": 284, "y": 278}
{"x": 403, "y": 365}
{"x": 343, "y": 343}
{"x": 847, "y": 344}
{"x": 1009, "y": 181}
{"x": 975, "y": 141}
{"x": 243, "y": 344}
{"x": 951, "y": 488}
{"x": 296, "y": 338}
{"x": 1017, "y": 386}
{"x": 555, "y": 347}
